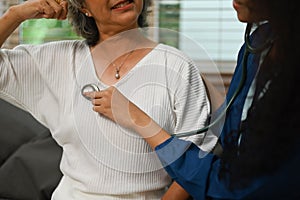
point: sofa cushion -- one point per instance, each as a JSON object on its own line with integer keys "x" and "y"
{"x": 29, "y": 157}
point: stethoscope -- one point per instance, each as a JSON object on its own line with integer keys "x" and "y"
{"x": 248, "y": 49}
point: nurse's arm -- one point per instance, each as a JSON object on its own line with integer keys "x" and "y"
{"x": 113, "y": 105}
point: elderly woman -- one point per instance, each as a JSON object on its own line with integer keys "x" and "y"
{"x": 102, "y": 160}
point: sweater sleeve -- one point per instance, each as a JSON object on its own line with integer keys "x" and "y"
{"x": 33, "y": 79}
{"x": 192, "y": 105}
{"x": 20, "y": 81}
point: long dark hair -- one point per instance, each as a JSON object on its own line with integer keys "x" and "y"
{"x": 86, "y": 26}
{"x": 271, "y": 132}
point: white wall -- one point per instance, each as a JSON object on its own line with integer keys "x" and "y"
{"x": 3, "y": 6}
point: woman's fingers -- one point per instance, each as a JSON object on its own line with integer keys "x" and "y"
{"x": 54, "y": 9}
{"x": 36, "y": 9}
{"x": 50, "y": 9}
{"x": 64, "y": 12}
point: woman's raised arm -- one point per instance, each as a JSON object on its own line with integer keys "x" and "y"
{"x": 31, "y": 9}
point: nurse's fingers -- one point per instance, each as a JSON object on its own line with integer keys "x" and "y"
{"x": 97, "y": 102}
{"x": 92, "y": 95}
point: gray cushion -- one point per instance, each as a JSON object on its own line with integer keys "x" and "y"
{"x": 29, "y": 157}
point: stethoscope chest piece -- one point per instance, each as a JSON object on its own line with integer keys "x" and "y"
{"x": 89, "y": 88}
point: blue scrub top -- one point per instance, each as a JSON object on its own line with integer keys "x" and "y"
{"x": 200, "y": 176}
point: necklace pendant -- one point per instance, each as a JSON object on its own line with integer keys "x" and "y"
{"x": 117, "y": 75}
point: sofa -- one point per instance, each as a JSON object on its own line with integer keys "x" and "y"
{"x": 29, "y": 157}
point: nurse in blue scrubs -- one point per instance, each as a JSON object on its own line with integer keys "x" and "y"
{"x": 260, "y": 156}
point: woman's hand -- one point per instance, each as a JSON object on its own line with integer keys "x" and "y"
{"x": 35, "y": 9}
{"x": 31, "y": 9}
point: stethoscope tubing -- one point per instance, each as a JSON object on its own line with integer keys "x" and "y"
{"x": 230, "y": 102}
{"x": 248, "y": 49}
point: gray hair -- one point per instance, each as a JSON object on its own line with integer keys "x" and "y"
{"x": 86, "y": 26}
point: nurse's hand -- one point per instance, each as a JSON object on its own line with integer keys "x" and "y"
{"x": 36, "y": 9}
{"x": 115, "y": 106}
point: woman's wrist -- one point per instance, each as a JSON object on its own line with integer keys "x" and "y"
{"x": 14, "y": 15}
{"x": 9, "y": 22}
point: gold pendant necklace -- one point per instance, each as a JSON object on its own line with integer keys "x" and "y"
{"x": 118, "y": 68}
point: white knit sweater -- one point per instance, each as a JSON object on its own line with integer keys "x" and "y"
{"x": 102, "y": 160}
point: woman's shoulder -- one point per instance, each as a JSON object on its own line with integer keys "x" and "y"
{"x": 54, "y": 45}
{"x": 168, "y": 48}
{"x": 66, "y": 44}
{"x": 173, "y": 52}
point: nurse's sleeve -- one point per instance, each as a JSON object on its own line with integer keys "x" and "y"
{"x": 199, "y": 172}
{"x": 181, "y": 159}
